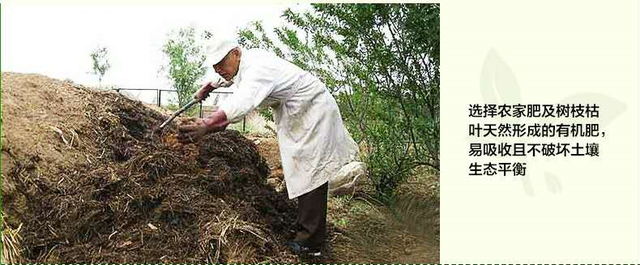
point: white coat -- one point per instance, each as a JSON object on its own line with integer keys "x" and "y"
{"x": 314, "y": 144}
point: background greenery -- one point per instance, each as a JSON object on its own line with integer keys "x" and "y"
{"x": 382, "y": 63}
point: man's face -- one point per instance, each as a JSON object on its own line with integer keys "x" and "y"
{"x": 228, "y": 67}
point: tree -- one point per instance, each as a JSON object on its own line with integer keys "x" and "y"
{"x": 100, "y": 62}
{"x": 186, "y": 57}
{"x": 381, "y": 62}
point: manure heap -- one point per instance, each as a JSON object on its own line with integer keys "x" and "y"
{"x": 85, "y": 181}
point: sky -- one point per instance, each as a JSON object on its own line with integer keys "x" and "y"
{"x": 56, "y": 41}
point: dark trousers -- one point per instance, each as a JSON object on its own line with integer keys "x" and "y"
{"x": 312, "y": 217}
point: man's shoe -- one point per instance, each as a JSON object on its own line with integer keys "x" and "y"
{"x": 299, "y": 249}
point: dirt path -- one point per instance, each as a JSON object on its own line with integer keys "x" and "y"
{"x": 371, "y": 233}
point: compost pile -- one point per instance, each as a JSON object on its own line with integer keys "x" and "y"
{"x": 85, "y": 180}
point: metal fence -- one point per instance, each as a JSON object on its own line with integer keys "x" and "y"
{"x": 159, "y": 93}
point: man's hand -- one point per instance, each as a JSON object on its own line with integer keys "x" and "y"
{"x": 192, "y": 133}
{"x": 204, "y": 91}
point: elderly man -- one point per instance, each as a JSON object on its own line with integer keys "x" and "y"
{"x": 314, "y": 144}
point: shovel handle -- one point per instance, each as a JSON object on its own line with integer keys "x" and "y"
{"x": 177, "y": 113}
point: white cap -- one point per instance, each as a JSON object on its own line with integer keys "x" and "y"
{"x": 217, "y": 50}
